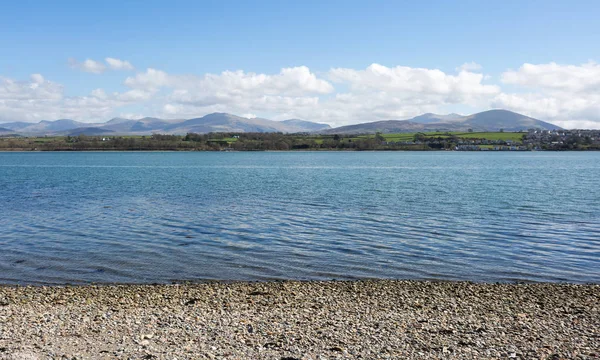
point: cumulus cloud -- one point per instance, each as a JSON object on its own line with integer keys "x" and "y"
{"x": 36, "y": 89}
{"x": 234, "y": 91}
{"x": 117, "y": 64}
{"x": 39, "y": 99}
{"x": 470, "y": 66}
{"x": 552, "y": 76}
{"x": 568, "y": 95}
{"x": 37, "y": 79}
{"x": 381, "y": 92}
{"x": 151, "y": 79}
{"x": 290, "y": 81}
{"x": 98, "y": 67}
{"x": 88, "y": 65}
{"x": 409, "y": 82}
{"x": 377, "y": 92}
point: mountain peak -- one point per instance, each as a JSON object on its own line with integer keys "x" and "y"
{"x": 490, "y": 120}
{"x": 117, "y": 120}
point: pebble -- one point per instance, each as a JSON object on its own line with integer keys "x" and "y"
{"x": 301, "y": 320}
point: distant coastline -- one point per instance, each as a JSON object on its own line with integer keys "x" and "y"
{"x": 532, "y": 140}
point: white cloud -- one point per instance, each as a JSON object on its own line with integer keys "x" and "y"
{"x": 151, "y": 79}
{"x": 568, "y": 95}
{"x": 98, "y": 67}
{"x": 552, "y": 76}
{"x": 470, "y": 66}
{"x": 117, "y": 64}
{"x": 37, "y": 89}
{"x": 377, "y": 92}
{"x": 88, "y": 65}
{"x": 41, "y": 99}
{"x": 380, "y": 92}
{"x": 37, "y": 79}
{"x": 290, "y": 81}
{"x": 234, "y": 91}
{"x": 410, "y": 82}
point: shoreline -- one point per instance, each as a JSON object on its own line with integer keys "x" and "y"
{"x": 294, "y": 151}
{"x": 301, "y": 320}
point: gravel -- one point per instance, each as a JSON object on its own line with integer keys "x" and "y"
{"x": 373, "y": 319}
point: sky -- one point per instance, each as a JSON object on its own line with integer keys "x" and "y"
{"x": 336, "y": 62}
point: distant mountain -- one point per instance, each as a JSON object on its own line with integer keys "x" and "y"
{"x": 223, "y": 122}
{"x": 6, "y": 131}
{"x": 435, "y": 118}
{"x": 216, "y": 122}
{"x": 16, "y": 126}
{"x": 392, "y": 126}
{"x": 90, "y": 131}
{"x": 46, "y": 127}
{"x": 492, "y": 120}
{"x": 303, "y": 125}
{"x": 145, "y": 126}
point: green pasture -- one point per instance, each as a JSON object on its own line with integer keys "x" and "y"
{"x": 398, "y": 137}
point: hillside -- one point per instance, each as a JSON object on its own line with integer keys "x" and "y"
{"x": 45, "y": 127}
{"x": 89, "y": 131}
{"x": 492, "y": 120}
{"x": 391, "y": 126}
{"x": 216, "y": 122}
{"x": 303, "y": 125}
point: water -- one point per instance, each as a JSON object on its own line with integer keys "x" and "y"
{"x": 162, "y": 216}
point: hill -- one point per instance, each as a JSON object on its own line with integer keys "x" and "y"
{"x": 223, "y": 122}
{"x": 90, "y": 131}
{"x": 16, "y": 126}
{"x": 216, "y": 122}
{"x": 391, "y": 126}
{"x": 145, "y": 126}
{"x": 492, "y": 120}
{"x": 303, "y": 125}
{"x": 51, "y": 127}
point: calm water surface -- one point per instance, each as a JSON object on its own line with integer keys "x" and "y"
{"x": 162, "y": 216}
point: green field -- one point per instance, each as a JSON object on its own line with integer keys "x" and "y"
{"x": 506, "y": 136}
{"x": 229, "y": 140}
{"x": 401, "y": 137}
{"x": 512, "y": 136}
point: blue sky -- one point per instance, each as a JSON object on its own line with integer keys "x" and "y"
{"x": 417, "y": 48}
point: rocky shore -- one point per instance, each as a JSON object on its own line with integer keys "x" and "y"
{"x": 379, "y": 319}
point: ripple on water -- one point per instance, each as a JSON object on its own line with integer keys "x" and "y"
{"x": 159, "y": 217}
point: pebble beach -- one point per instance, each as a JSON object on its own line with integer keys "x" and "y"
{"x": 370, "y": 319}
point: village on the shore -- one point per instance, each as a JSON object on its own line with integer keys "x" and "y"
{"x": 532, "y": 140}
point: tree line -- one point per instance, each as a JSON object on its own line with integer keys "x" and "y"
{"x": 257, "y": 142}
{"x": 200, "y": 142}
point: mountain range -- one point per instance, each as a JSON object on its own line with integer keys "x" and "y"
{"x": 216, "y": 122}
{"x": 492, "y": 120}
